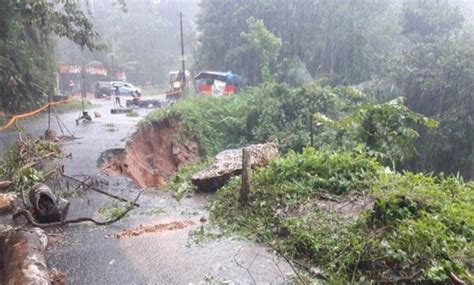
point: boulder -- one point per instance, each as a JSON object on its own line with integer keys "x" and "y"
{"x": 229, "y": 163}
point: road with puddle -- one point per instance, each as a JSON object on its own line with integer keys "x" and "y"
{"x": 159, "y": 247}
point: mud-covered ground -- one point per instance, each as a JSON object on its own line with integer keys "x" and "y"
{"x": 153, "y": 244}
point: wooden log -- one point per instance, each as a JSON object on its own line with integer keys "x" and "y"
{"x": 244, "y": 190}
{"x": 5, "y": 184}
{"x": 24, "y": 261}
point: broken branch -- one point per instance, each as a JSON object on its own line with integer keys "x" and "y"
{"x": 31, "y": 220}
{"x": 101, "y": 191}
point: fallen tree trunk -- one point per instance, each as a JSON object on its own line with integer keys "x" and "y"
{"x": 23, "y": 260}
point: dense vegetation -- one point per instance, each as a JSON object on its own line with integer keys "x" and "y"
{"x": 388, "y": 225}
{"x": 408, "y": 227}
{"x": 26, "y": 62}
{"x": 420, "y": 50}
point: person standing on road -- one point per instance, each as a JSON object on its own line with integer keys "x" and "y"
{"x": 116, "y": 97}
{"x": 71, "y": 86}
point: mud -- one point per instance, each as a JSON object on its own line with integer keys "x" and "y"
{"x": 155, "y": 152}
{"x": 346, "y": 208}
{"x": 154, "y": 228}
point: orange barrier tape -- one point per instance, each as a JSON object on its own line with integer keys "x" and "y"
{"x": 32, "y": 113}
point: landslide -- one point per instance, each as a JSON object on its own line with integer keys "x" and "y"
{"x": 156, "y": 151}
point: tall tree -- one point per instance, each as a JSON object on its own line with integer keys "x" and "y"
{"x": 26, "y": 63}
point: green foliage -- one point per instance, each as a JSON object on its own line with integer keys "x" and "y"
{"x": 217, "y": 123}
{"x": 26, "y": 63}
{"x": 420, "y": 227}
{"x": 275, "y": 112}
{"x": 113, "y": 211}
{"x": 344, "y": 40}
{"x": 19, "y": 164}
{"x": 336, "y": 173}
{"x": 264, "y": 47}
{"x": 385, "y": 131}
{"x": 180, "y": 181}
{"x": 435, "y": 75}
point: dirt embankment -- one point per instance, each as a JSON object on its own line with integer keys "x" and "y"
{"x": 155, "y": 152}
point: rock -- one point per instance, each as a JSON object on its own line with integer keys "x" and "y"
{"x": 7, "y": 203}
{"x": 97, "y": 114}
{"x": 229, "y": 163}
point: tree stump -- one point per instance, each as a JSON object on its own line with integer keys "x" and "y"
{"x": 244, "y": 190}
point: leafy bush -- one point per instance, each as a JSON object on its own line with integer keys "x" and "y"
{"x": 216, "y": 122}
{"x": 386, "y": 131}
{"x": 270, "y": 112}
{"x": 420, "y": 227}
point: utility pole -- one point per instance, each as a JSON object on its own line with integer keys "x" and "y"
{"x": 49, "y": 110}
{"x": 182, "y": 48}
{"x": 83, "y": 80}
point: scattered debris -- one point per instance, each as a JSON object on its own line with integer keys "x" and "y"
{"x": 229, "y": 163}
{"x": 155, "y": 228}
{"x": 50, "y": 134}
{"x": 90, "y": 185}
{"x": 27, "y": 215}
{"x": 151, "y": 103}
{"x": 120, "y": 110}
{"x": 7, "y": 202}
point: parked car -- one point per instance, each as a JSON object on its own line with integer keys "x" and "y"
{"x": 105, "y": 88}
{"x": 125, "y": 88}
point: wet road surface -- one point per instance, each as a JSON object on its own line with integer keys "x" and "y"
{"x": 90, "y": 254}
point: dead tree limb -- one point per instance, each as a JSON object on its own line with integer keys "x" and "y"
{"x": 100, "y": 191}
{"x": 31, "y": 220}
{"x": 5, "y": 184}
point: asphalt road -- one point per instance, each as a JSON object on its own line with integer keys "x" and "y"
{"x": 92, "y": 255}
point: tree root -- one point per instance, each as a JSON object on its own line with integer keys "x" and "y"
{"x": 31, "y": 219}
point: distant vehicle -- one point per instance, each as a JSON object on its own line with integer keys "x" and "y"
{"x": 217, "y": 83}
{"x": 176, "y": 80}
{"x": 105, "y": 88}
{"x": 125, "y": 88}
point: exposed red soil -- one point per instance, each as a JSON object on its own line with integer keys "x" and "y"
{"x": 154, "y": 228}
{"x": 155, "y": 152}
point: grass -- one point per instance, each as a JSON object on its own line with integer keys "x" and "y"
{"x": 180, "y": 181}
{"x": 113, "y": 211}
{"x": 133, "y": 114}
{"x": 74, "y": 105}
{"x": 153, "y": 212}
{"x": 420, "y": 227}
